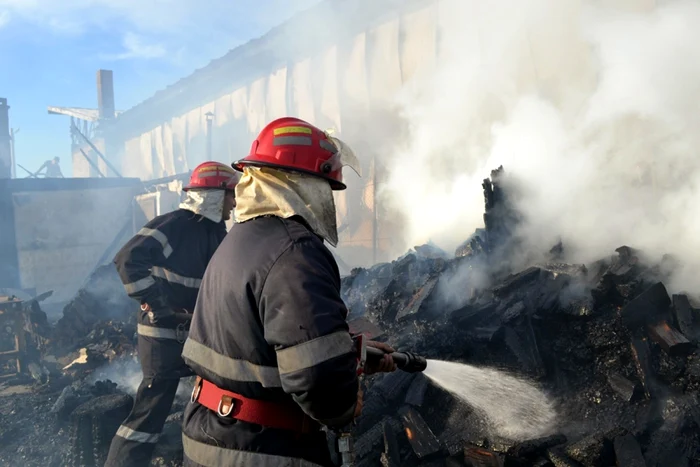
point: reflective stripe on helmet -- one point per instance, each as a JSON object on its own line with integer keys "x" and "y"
{"x": 292, "y": 129}
{"x": 292, "y": 141}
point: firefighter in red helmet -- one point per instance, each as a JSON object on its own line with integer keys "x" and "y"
{"x": 269, "y": 340}
{"x": 162, "y": 267}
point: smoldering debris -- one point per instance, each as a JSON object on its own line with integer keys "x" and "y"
{"x": 604, "y": 340}
{"x": 612, "y": 347}
{"x": 73, "y": 383}
{"x": 70, "y": 385}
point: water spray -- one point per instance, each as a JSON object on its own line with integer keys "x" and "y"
{"x": 515, "y": 407}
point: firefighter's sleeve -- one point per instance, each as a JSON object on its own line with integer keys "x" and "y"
{"x": 149, "y": 247}
{"x": 304, "y": 319}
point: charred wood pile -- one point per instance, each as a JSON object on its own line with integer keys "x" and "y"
{"x": 53, "y": 412}
{"x": 613, "y": 347}
{"x": 606, "y": 341}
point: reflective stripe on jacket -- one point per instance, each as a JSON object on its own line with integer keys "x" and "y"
{"x": 164, "y": 262}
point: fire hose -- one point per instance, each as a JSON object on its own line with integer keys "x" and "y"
{"x": 405, "y": 361}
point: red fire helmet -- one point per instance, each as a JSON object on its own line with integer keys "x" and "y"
{"x": 213, "y": 175}
{"x": 293, "y": 144}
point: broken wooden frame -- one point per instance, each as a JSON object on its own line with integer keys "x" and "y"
{"x": 12, "y": 340}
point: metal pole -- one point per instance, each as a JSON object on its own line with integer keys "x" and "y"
{"x": 31, "y": 174}
{"x": 97, "y": 151}
{"x": 374, "y": 210}
{"x": 210, "y": 117}
{"x": 94, "y": 166}
{"x": 13, "y": 167}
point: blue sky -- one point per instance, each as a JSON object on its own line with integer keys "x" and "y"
{"x": 50, "y": 51}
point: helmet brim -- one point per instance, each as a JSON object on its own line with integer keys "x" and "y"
{"x": 335, "y": 184}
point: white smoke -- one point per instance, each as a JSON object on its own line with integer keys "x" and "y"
{"x": 127, "y": 374}
{"x": 594, "y": 109}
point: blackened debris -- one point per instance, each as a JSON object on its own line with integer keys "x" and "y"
{"x": 479, "y": 457}
{"x": 625, "y": 389}
{"x": 581, "y": 331}
{"x": 672, "y": 341}
{"x": 391, "y": 457}
{"x": 650, "y": 307}
{"x": 628, "y": 452}
{"x": 93, "y": 425}
{"x": 595, "y": 450}
{"x": 642, "y": 358}
{"x": 103, "y": 298}
{"x": 537, "y": 447}
{"x": 419, "y": 434}
{"x": 685, "y": 316}
{"x": 416, "y": 391}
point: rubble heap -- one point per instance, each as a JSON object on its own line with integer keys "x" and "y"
{"x": 606, "y": 341}
{"x": 102, "y": 298}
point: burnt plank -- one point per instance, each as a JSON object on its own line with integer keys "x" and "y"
{"x": 394, "y": 385}
{"x": 479, "y": 457}
{"x": 642, "y": 360}
{"x": 626, "y": 389}
{"x": 420, "y": 436}
{"x": 372, "y": 439}
{"x": 416, "y": 302}
{"x": 595, "y": 450}
{"x": 649, "y": 307}
{"x": 416, "y": 391}
{"x": 684, "y": 315}
{"x": 391, "y": 457}
{"x": 536, "y": 447}
{"x": 559, "y": 458}
{"x": 671, "y": 340}
{"x": 521, "y": 340}
{"x": 515, "y": 281}
{"x": 625, "y": 263}
{"x": 454, "y": 461}
{"x": 627, "y": 452}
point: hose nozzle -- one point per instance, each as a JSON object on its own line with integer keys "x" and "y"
{"x": 405, "y": 361}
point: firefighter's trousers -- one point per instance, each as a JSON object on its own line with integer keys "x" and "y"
{"x": 160, "y": 352}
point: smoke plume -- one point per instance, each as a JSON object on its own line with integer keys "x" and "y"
{"x": 591, "y": 107}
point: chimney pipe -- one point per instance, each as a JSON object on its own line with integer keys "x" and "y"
{"x": 105, "y": 94}
{"x": 5, "y": 152}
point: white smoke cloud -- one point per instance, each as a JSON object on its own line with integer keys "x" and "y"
{"x": 592, "y": 108}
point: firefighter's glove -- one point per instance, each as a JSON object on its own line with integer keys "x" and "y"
{"x": 386, "y": 364}
{"x": 161, "y": 317}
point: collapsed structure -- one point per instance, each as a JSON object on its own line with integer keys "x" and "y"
{"x": 606, "y": 341}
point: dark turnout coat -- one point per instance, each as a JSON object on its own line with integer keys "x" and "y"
{"x": 164, "y": 262}
{"x": 269, "y": 324}
{"x": 162, "y": 265}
